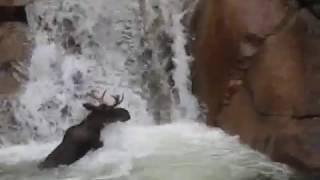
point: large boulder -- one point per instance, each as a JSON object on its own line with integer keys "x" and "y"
{"x": 14, "y": 51}
{"x": 263, "y": 88}
{"x": 14, "y": 45}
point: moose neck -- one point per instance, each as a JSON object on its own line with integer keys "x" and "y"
{"x": 95, "y": 120}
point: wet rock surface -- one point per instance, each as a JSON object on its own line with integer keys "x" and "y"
{"x": 259, "y": 86}
{"x": 14, "y": 2}
{"x": 15, "y": 51}
{"x": 14, "y": 46}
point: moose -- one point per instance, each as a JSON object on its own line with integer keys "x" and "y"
{"x": 85, "y": 136}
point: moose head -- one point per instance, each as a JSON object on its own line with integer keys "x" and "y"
{"x": 104, "y": 113}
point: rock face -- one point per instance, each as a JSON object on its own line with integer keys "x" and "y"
{"x": 14, "y": 2}
{"x": 14, "y": 45}
{"x": 262, "y": 87}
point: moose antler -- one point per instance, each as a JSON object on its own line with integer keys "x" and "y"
{"x": 118, "y": 100}
{"x": 99, "y": 99}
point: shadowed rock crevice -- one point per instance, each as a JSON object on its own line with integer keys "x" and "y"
{"x": 13, "y": 14}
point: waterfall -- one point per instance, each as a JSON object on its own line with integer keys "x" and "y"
{"x": 134, "y": 47}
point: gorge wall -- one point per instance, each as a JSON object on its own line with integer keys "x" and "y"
{"x": 264, "y": 89}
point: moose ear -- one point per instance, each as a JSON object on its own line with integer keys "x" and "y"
{"x": 90, "y": 107}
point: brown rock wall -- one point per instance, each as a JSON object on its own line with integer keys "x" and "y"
{"x": 14, "y": 2}
{"x": 263, "y": 88}
{"x": 14, "y": 46}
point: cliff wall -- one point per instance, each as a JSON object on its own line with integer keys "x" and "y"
{"x": 262, "y": 87}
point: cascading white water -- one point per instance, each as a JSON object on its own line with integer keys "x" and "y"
{"x": 125, "y": 46}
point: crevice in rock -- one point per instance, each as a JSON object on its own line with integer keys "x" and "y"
{"x": 13, "y": 14}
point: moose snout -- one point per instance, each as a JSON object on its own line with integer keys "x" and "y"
{"x": 122, "y": 115}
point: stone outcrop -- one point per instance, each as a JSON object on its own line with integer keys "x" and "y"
{"x": 14, "y": 44}
{"x": 262, "y": 87}
{"x": 14, "y": 2}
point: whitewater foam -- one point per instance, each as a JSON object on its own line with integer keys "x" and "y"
{"x": 174, "y": 151}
